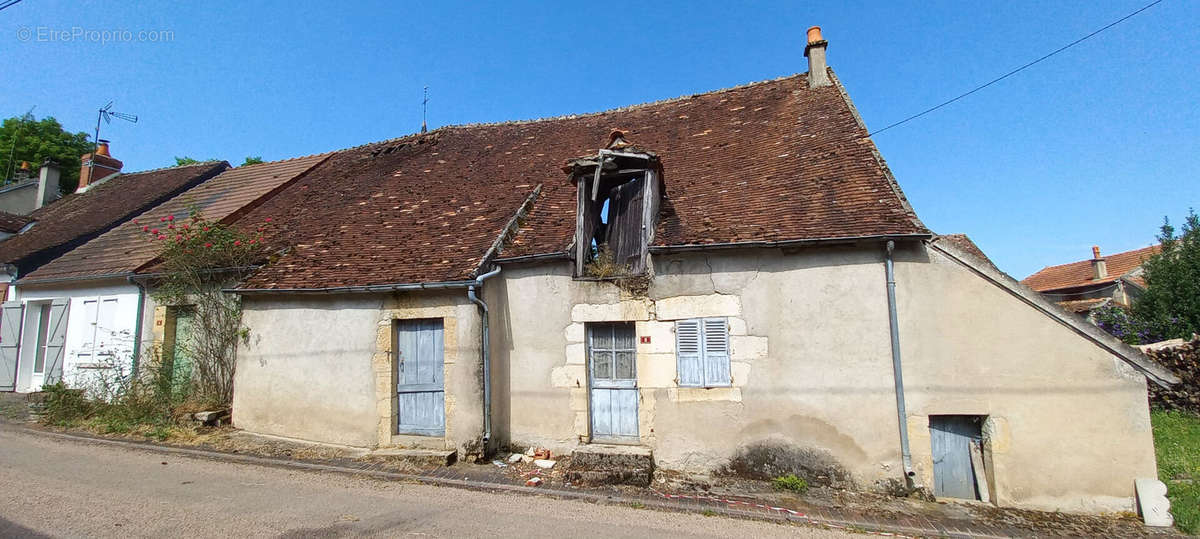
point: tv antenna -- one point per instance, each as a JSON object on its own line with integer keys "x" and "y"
{"x": 107, "y": 115}
{"x": 424, "y": 106}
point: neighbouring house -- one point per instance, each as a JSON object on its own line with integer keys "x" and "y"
{"x": 1083, "y": 286}
{"x": 110, "y": 316}
{"x": 29, "y": 193}
{"x": 33, "y": 325}
{"x": 730, "y": 282}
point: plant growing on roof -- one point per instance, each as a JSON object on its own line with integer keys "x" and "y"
{"x": 198, "y": 258}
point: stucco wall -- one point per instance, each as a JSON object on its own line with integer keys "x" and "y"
{"x": 321, "y": 368}
{"x": 813, "y": 376}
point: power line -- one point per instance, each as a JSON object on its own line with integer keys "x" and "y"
{"x": 9, "y": 3}
{"x": 1017, "y": 70}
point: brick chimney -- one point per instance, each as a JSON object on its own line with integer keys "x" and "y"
{"x": 97, "y": 166}
{"x": 818, "y": 75}
{"x": 48, "y": 188}
{"x": 1099, "y": 268}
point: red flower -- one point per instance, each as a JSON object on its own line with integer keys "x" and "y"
{"x": 185, "y": 227}
{"x": 154, "y": 231}
{"x": 238, "y": 242}
{"x": 170, "y": 217}
{"x": 172, "y": 227}
{"x": 163, "y": 220}
{"x": 161, "y": 237}
{"x": 206, "y": 229}
{"x": 251, "y": 242}
{"x": 267, "y": 220}
{"x": 208, "y": 245}
{"x": 145, "y": 229}
{"x": 135, "y": 221}
{"x": 179, "y": 237}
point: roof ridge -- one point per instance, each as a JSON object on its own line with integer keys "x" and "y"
{"x": 1065, "y": 264}
{"x": 278, "y": 161}
{"x": 160, "y": 169}
{"x": 625, "y": 108}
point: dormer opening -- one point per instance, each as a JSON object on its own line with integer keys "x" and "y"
{"x": 618, "y": 192}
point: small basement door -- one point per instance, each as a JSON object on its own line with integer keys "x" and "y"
{"x": 420, "y": 384}
{"x": 614, "y": 393}
{"x": 953, "y": 439}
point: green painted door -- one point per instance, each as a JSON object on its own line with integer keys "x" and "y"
{"x": 185, "y": 343}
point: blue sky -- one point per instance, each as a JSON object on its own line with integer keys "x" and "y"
{"x": 1093, "y": 146}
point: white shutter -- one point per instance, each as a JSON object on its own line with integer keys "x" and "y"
{"x": 716, "y": 352}
{"x": 688, "y": 352}
{"x": 10, "y": 343}
{"x": 56, "y": 340}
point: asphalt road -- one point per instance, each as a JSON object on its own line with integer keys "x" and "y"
{"x": 63, "y": 488}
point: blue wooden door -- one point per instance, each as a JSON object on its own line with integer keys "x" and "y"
{"x": 613, "y": 380}
{"x": 421, "y": 395}
{"x": 951, "y": 437}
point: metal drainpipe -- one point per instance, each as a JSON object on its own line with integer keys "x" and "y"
{"x": 485, "y": 352}
{"x": 137, "y": 330}
{"x": 901, "y": 413}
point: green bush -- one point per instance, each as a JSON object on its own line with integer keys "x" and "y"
{"x": 790, "y": 482}
{"x": 1177, "y": 446}
{"x": 63, "y": 406}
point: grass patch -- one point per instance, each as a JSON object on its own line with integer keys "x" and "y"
{"x": 1177, "y": 448}
{"x": 790, "y": 482}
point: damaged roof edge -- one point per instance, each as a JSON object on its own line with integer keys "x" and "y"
{"x": 786, "y": 243}
{"x": 374, "y": 288}
{"x": 887, "y": 172}
{"x": 1148, "y": 367}
{"x": 511, "y": 227}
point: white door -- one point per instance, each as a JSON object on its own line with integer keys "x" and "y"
{"x": 49, "y": 343}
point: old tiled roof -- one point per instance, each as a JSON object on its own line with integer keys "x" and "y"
{"x": 769, "y": 161}
{"x": 1081, "y": 306}
{"x": 13, "y": 223}
{"x": 223, "y": 198}
{"x": 1077, "y": 274}
{"x": 79, "y": 217}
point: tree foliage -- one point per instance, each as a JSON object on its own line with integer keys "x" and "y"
{"x": 252, "y": 160}
{"x": 39, "y": 140}
{"x": 1172, "y": 297}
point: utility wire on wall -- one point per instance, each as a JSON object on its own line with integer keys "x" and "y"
{"x": 1017, "y": 70}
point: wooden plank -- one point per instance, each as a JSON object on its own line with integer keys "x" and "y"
{"x": 981, "y": 482}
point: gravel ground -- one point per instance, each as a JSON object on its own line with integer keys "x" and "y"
{"x": 63, "y": 488}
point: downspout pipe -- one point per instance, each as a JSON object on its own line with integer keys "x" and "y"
{"x": 137, "y": 329}
{"x": 485, "y": 353}
{"x": 897, "y": 372}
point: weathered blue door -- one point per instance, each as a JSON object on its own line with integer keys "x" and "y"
{"x": 951, "y": 438}
{"x": 421, "y": 395}
{"x": 613, "y": 374}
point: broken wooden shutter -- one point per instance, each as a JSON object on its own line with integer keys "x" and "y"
{"x": 716, "y": 352}
{"x": 625, "y": 234}
{"x": 10, "y": 343}
{"x": 56, "y": 340}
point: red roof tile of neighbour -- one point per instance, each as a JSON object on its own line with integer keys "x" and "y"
{"x": 1077, "y": 274}
{"x": 223, "y": 198}
{"x": 79, "y": 217}
{"x": 769, "y": 161}
{"x": 13, "y": 223}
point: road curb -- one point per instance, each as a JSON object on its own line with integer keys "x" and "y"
{"x": 694, "y": 505}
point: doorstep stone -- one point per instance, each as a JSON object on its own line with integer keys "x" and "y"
{"x": 601, "y": 464}
{"x": 422, "y": 457}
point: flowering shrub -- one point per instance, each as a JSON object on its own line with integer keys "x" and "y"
{"x": 1122, "y": 325}
{"x": 198, "y": 259}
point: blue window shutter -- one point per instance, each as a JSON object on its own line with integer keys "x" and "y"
{"x": 688, "y": 353}
{"x": 716, "y": 352}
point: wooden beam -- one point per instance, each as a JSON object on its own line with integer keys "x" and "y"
{"x": 981, "y": 482}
